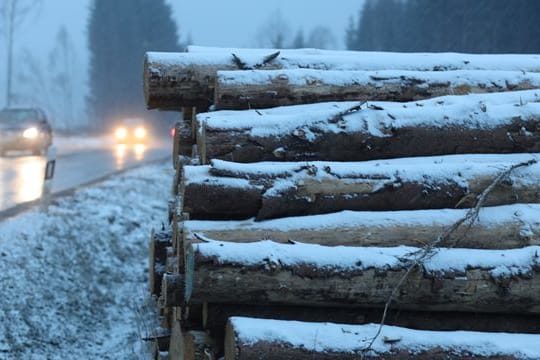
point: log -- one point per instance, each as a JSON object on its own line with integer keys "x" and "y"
{"x": 159, "y": 241}
{"x": 498, "y": 227}
{"x": 171, "y": 290}
{"x": 173, "y": 81}
{"x": 183, "y": 140}
{"x": 468, "y": 280}
{"x": 205, "y": 198}
{"x": 176, "y": 80}
{"x": 352, "y": 131}
{"x": 176, "y": 347}
{"x": 234, "y": 191}
{"x": 200, "y": 346}
{"x": 256, "y": 89}
{"x": 215, "y": 318}
{"x": 249, "y": 338}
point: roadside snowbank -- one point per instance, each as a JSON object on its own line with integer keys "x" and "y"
{"x": 74, "y": 277}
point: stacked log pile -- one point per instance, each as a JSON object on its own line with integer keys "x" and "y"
{"x": 409, "y": 197}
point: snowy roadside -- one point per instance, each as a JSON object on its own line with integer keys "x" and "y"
{"x": 74, "y": 278}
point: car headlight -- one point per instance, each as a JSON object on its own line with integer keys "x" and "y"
{"x": 120, "y": 133}
{"x": 140, "y": 133}
{"x": 31, "y": 133}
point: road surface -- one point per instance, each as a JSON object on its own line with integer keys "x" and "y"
{"x": 22, "y": 176}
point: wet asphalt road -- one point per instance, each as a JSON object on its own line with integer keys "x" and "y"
{"x": 22, "y": 175}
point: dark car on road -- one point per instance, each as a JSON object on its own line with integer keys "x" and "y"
{"x": 24, "y": 130}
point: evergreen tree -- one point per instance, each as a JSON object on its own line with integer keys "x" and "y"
{"x": 120, "y": 32}
{"x": 479, "y": 26}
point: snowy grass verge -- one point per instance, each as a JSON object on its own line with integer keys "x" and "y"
{"x": 74, "y": 278}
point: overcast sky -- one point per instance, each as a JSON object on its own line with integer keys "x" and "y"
{"x": 209, "y": 22}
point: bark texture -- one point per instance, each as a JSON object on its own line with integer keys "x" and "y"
{"x": 256, "y": 89}
{"x": 213, "y": 280}
{"x": 223, "y": 192}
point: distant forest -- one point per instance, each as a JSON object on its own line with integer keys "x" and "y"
{"x": 475, "y": 26}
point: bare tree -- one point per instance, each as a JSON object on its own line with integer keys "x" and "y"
{"x": 299, "y": 41}
{"x": 35, "y": 89}
{"x": 274, "y": 32}
{"x": 321, "y": 37}
{"x": 62, "y": 61}
{"x": 14, "y": 12}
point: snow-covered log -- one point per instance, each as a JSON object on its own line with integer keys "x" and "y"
{"x": 192, "y": 345}
{"x": 183, "y": 141}
{"x": 176, "y": 346}
{"x": 198, "y": 345}
{"x": 176, "y": 80}
{"x": 210, "y": 197}
{"x": 498, "y": 227}
{"x": 351, "y": 131}
{"x": 215, "y": 317}
{"x": 159, "y": 241}
{"x": 256, "y": 89}
{"x": 231, "y": 191}
{"x": 171, "y": 290}
{"x": 313, "y": 275}
{"x": 249, "y": 338}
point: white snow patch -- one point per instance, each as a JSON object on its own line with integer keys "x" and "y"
{"x": 355, "y": 338}
{"x": 475, "y": 111}
{"x": 488, "y": 216}
{"x": 355, "y": 60}
{"x": 501, "y": 263}
{"x": 426, "y": 170}
{"x": 304, "y": 77}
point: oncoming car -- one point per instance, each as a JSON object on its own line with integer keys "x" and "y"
{"x": 131, "y": 131}
{"x": 24, "y": 129}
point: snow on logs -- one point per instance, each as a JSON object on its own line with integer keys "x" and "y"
{"x": 498, "y": 227}
{"x": 256, "y": 89}
{"x": 352, "y": 131}
{"x": 285, "y": 340}
{"x": 300, "y": 274}
{"x": 214, "y": 318}
{"x": 233, "y": 191}
{"x": 176, "y": 80}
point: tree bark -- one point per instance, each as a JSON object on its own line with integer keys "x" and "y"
{"x": 277, "y": 274}
{"x": 256, "y": 89}
{"x": 377, "y": 131}
{"x": 262, "y": 339}
{"x": 176, "y": 80}
{"x": 266, "y": 191}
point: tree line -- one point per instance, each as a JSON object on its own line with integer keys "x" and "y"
{"x": 473, "y": 26}
{"x": 119, "y": 34}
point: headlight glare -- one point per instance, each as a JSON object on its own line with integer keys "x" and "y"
{"x": 120, "y": 133}
{"x": 31, "y": 133}
{"x": 140, "y": 133}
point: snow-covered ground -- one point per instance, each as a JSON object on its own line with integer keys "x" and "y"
{"x": 73, "y": 278}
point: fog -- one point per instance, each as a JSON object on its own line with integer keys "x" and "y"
{"x": 204, "y": 22}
